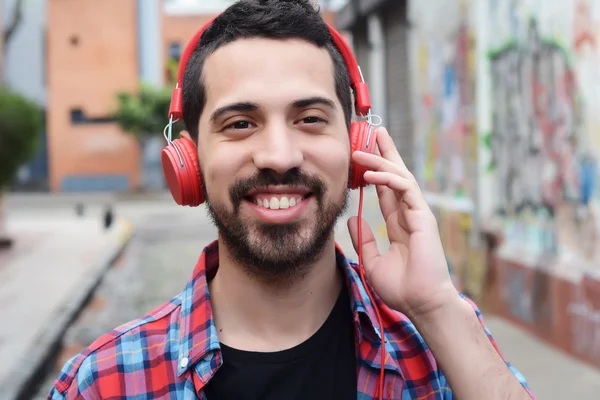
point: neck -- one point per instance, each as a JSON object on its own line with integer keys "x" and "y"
{"x": 251, "y": 315}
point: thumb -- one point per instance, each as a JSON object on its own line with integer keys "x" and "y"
{"x": 370, "y": 252}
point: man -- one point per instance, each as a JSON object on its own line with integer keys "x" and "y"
{"x": 273, "y": 309}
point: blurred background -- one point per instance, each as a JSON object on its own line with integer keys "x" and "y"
{"x": 493, "y": 104}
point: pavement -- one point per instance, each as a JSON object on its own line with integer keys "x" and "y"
{"x": 44, "y": 280}
{"x": 551, "y": 373}
{"x": 154, "y": 267}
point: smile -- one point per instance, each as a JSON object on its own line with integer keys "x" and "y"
{"x": 279, "y": 207}
{"x": 279, "y": 201}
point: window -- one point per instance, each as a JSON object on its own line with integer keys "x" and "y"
{"x": 78, "y": 117}
{"x": 175, "y": 51}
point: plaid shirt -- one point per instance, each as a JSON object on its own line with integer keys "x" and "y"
{"x": 173, "y": 352}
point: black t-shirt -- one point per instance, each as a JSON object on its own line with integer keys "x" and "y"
{"x": 322, "y": 367}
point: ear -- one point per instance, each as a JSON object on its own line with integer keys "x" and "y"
{"x": 186, "y": 134}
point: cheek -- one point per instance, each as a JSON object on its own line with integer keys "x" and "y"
{"x": 333, "y": 161}
{"x": 220, "y": 167}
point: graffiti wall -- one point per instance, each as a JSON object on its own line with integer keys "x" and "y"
{"x": 544, "y": 136}
{"x": 443, "y": 68}
{"x": 541, "y": 145}
{"x": 443, "y": 45}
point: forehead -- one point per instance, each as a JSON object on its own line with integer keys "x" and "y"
{"x": 268, "y": 70}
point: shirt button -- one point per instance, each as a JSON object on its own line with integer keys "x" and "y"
{"x": 209, "y": 356}
{"x": 184, "y": 362}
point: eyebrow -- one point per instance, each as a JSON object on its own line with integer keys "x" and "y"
{"x": 249, "y": 107}
{"x": 311, "y": 101}
{"x": 237, "y": 107}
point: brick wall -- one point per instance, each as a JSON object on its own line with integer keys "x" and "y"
{"x": 92, "y": 54}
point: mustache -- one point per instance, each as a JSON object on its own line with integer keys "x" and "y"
{"x": 269, "y": 177}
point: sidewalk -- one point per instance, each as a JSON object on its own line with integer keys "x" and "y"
{"x": 44, "y": 279}
{"x": 551, "y": 373}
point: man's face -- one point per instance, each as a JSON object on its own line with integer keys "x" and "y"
{"x": 274, "y": 152}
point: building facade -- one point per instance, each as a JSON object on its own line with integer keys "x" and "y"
{"x": 94, "y": 50}
{"x": 504, "y": 103}
{"x": 92, "y": 54}
{"x": 24, "y": 71}
{"x": 2, "y": 23}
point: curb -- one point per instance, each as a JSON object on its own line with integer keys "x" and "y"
{"x": 25, "y": 381}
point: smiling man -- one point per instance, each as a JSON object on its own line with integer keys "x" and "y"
{"x": 273, "y": 309}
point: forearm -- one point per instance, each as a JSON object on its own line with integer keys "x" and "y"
{"x": 465, "y": 354}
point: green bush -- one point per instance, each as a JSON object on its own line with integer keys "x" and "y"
{"x": 145, "y": 113}
{"x": 21, "y": 125}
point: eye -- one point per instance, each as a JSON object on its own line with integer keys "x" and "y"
{"x": 240, "y": 125}
{"x": 312, "y": 120}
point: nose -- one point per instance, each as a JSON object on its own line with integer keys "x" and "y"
{"x": 278, "y": 150}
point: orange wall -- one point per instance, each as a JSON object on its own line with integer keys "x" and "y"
{"x": 180, "y": 29}
{"x": 87, "y": 76}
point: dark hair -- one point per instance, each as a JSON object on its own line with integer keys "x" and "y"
{"x": 273, "y": 19}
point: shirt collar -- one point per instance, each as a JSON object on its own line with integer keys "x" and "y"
{"x": 198, "y": 340}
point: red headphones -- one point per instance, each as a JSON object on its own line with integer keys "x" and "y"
{"x": 180, "y": 159}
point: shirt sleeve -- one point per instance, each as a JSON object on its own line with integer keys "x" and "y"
{"x": 76, "y": 380}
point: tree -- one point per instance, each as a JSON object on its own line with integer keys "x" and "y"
{"x": 144, "y": 113}
{"x": 21, "y": 124}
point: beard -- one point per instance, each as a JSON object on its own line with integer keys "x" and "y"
{"x": 277, "y": 254}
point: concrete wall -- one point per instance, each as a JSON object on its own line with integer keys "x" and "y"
{"x": 540, "y": 130}
{"x": 507, "y": 111}
{"x": 2, "y": 23}
{"x": 443, "y": 64}
{"x": 25, "y": 62}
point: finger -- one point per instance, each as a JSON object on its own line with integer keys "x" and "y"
{"x": 409, "y": 189}
{"x": 388, "y": 149}
{"x": 370, "y": 252}
{"x": 388, "y": 200}
{"x": 374, "y": 162}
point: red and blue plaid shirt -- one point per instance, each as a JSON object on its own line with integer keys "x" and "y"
{"x": 173, "y": 352}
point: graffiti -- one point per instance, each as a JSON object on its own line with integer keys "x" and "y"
{"x": 585, "y": 321}
{"x": 583, "y": 26}
{"x": 535, "y": 125}
{"x": 586, "y": 63}
{"x": 446, "y": 109}
{"x": 541, "y": 292}
{"x": 527, "y": 293}
{"x": 517, "y": 294}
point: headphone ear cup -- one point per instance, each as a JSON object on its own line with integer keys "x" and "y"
{"x": 182, "y": 172}
{"x": 363, "y": 137}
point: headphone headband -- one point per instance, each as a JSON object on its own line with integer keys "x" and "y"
{"x": 362, "y": 101}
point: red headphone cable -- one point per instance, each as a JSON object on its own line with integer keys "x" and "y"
{"x": 361, "y": 270}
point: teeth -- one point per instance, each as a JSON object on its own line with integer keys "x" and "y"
{"x": 274, "y": 203}
{"x": 284, "y": 203}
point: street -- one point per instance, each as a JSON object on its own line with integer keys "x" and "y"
{"x": 162, "y": 254}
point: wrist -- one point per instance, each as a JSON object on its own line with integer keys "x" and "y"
{"x": 445, "y": 309}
